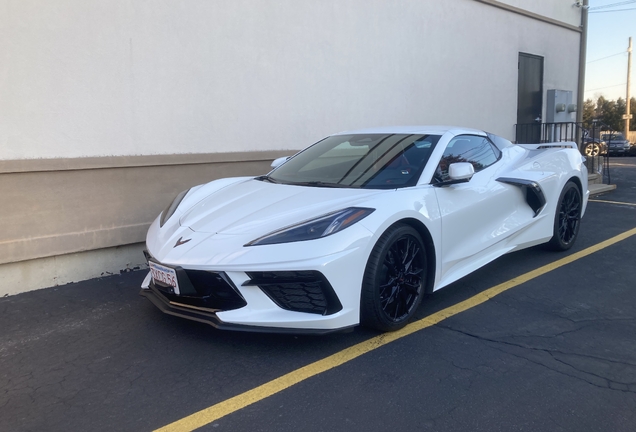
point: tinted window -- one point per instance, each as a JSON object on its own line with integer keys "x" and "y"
{"x": 613, "y": 137}
{"x": 477, "y": 150}
{"x": 499, "y": 142}
{"x": 374, "y": 161}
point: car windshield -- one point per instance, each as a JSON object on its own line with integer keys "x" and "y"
{"x": 613, "y": 137}
{"x": 371, "y": 161}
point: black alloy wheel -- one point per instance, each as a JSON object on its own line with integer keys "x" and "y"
{"x": 567, "y": 218}
{"x": 394, "y": 279}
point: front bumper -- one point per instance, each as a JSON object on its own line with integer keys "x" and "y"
{"x": 166, "y": 306}
{"x": 340, "y": 259}
{"x": 618, "y": 150}
{"x": 283, "y": 304}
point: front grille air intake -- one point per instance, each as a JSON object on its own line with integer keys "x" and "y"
{"x": 203, "y": 289}
{"x": 300, "y": 291}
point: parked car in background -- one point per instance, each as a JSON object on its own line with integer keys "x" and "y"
{"x": 593, "y": 147}
{"x": 616, "y": 144}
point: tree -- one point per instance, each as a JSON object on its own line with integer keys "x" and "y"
{"x": 609, "y": 113}
{"x": 589, "y": 113}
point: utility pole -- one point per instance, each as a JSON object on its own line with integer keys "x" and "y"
{"x": 582, "y": 59}
{"x": 629, "y": 73}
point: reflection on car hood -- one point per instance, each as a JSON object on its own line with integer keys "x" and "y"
{"x": 256, "y": 207}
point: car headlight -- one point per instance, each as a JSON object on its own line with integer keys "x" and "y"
{"x": 316, "y": 228}
{"x": 169, "y": 211}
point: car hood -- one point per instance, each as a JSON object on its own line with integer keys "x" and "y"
{"x": 257, "y": 207}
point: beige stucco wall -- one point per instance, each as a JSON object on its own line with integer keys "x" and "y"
{"x": 130, "y": 77}
{"x": 59, "y": 208}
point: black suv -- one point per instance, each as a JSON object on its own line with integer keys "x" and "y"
{"x": 616, "y": 143}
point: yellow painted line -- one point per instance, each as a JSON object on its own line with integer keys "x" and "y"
{"x": 229, "y": 406}
{"x": 613, "y": 202}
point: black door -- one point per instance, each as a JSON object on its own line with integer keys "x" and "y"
{"x": 529, "y": 98}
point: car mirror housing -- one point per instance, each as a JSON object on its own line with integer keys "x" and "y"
{"x": 458, "y": 172}
{"x": 461, "y": 171}
{"x": 278, "y": 162}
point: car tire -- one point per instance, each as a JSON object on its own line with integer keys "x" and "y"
{"x": 567, "y": 218}
{"x": 394, "y": 279}
{"x": 592, "y": 149}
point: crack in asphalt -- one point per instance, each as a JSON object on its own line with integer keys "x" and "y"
{"x": 434, "y": 419}
{"x": 549, "y": 336}
{"x": 535, "y": 302}
{"x": 610, "y": 383}
{"x": 556, "y": 423}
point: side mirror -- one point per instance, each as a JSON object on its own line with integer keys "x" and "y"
{"x": 278, "y": 162}
{"x": 458, "y": 172}
{"x": 461, "y": 171}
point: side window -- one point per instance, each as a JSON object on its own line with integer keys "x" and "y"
{"x": 477, "y": 150}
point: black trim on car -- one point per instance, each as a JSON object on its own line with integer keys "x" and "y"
{"x": 206, "y": 290}
{"x": 533, "y": 192}
{"x": 166, "y": 306}
{"x": 300, "y": 291}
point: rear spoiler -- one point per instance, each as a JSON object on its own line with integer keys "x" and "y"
{"x": 542, "y": 146}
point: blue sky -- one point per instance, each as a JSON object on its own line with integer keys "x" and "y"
{"x": 608, "y": 35}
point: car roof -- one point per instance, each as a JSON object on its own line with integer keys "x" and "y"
{"x": 424, "y": 130}
{"x": 612, "y": 134}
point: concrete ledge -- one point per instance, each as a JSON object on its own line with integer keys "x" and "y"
{"x": 594, "y": 166}
{"x": 55, "y": 207}
{"x": 597, "y": 189}
{"x": 594, "y": 179}
{"x": 105, "y": 162}
{"x": 54, "y": 245}
{"x": 59, "y": 270}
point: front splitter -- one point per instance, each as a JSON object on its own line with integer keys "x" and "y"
{"x": 212, "y": 319}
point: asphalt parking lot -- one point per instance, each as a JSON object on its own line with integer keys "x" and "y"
{"x": 552, "y": 352}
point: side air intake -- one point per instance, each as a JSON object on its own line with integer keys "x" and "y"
{"x": 533, "y": 192}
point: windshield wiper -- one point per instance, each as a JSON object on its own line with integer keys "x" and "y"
{"x": 321, "y": 184}
{"x": 266, "y": 178}
{"x": 308, "y": 183}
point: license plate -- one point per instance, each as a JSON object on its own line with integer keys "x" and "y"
{"x": 164, "y": 275}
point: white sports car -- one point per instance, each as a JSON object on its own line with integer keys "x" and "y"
{"x": 357, "y": 227}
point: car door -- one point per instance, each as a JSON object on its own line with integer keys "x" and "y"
{"x": 476, "y": 215}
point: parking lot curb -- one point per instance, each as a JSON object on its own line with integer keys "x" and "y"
{"x": 597, "y": 189}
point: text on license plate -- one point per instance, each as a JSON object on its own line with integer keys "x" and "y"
{"x": 164, "y": 275}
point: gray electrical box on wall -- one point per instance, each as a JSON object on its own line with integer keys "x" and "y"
{"x": 559, "y": 108}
